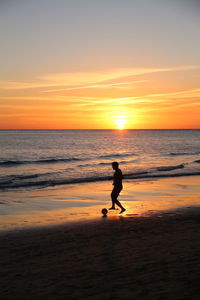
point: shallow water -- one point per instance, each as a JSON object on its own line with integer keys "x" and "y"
{"x": 41, "y": 158}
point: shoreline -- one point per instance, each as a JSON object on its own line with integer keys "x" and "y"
{"x": 126, "y": 258}
{"x": 82, "y": 203}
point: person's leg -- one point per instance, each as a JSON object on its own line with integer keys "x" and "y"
{"x": 114, "y": 195}
{"x": 119, "y": 204}
{"x": 117, "y": 201}
{"x": 113, "y": 198}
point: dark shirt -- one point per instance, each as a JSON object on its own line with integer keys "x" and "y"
{"x": 117, "y": 178}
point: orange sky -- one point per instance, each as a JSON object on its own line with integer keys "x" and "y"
{"x": 136, "y": 66}
{"x": 146, "y": 99}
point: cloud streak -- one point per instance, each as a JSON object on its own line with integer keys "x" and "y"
{"x": 97, "y": 86}
{"x": 83, "y": 80}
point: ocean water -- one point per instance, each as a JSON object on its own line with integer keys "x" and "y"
{"x": 32, "y": 159}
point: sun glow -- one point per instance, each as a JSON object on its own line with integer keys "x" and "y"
{"x": 121, "y": 125}
{"x": 120, "y": 122}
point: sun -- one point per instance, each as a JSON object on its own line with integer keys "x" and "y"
{"x": 120, "y": 121}
{"x": 120, "y": 124}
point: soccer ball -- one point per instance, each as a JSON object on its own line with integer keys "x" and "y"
{"x": 104, "y": 211}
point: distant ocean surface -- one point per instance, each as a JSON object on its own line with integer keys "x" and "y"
{"x": 41, "y": 158}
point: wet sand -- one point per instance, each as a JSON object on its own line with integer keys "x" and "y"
{"x": 84, "y": 202}
{"x": 155, "y": 257}
{"x": 150, "y": 252}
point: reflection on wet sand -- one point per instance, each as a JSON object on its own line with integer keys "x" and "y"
{"x": 85, "y": 202}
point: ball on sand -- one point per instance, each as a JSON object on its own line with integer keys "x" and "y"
{"x": 104, "y": 211}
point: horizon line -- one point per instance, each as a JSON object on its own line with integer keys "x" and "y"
{"x": 116, "y": 129}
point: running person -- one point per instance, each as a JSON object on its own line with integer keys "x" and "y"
{"x": 117, "y": 182}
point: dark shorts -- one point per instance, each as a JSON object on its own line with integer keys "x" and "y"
{"x": 116, "y": 190}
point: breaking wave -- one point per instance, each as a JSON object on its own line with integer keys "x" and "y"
{"x": 53, "y": 179}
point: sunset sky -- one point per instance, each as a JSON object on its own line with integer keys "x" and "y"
{"x": 99, "y": 64}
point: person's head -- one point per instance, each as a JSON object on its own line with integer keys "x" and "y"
{"x": 115, "y": 165}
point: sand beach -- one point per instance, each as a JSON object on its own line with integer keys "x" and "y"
{"x": 150, "y": 252}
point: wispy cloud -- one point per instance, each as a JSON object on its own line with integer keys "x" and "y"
{"x": 83, "y": 80}
{"x": 97, "y": 86}
{"x": 166, "y": 99}
{"x": 105, "y": 79}
{"x": 179, "y": 94}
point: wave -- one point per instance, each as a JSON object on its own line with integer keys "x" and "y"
{"x": 183, "y": 153}
{"x": 122, "y": 162}
{"x": 116, "y": 155}
{"x": 13, "y": 163}
{"x": 74, "y": 175}
{"x": 26, "y": 176}
{"x": 197, "y": 161}
{"x": 10, "y": 184}
{"x": 170, "y": 168}
{"x": 10, "y": 163}
{"x": 163, "y": 175}
{"x": 47, "y": 183}
{"x": 13, "y": 178}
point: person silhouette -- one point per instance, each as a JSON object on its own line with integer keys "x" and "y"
{"x": 117, "y": 182}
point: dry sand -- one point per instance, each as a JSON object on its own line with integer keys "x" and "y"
{"x": 126, "y": 258}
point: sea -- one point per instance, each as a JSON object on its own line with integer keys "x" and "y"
{"x": 32, "y": 159}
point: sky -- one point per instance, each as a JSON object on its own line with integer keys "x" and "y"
{"x": 99, "y": 64}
